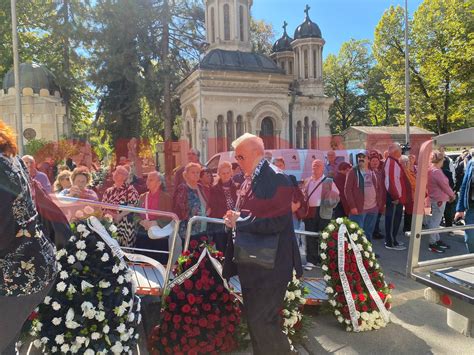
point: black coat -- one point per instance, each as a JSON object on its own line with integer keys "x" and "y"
{"x": 270, "y": 206}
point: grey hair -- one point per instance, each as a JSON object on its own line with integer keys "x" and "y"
{"x": 393, "y": 147}
{"x": 195, "y": 151}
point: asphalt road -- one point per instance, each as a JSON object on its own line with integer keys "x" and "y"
{"x": 417, "y": 327}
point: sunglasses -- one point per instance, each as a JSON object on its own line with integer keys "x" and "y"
{"x": 239, "y": 157}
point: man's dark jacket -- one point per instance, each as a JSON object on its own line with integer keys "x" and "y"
{"x": 269, "y": 204}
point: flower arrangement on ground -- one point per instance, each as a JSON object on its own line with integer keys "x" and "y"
{"x": 92, "y": 308}
{"x": 359, "y": 297}
{"x": 200, "y": 315}
{"x": 292, "y": 312}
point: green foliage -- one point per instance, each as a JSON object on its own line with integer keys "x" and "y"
{"x": 345, "y": 76}
{"x": 441, "y": 51}
{"x": 262, "y": 36}
{"x": 34, "y": 146}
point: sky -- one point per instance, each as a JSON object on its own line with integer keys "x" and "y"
{"x": 339, "y": 20}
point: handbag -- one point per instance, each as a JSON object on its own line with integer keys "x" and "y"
{"x": 305, "y": 211}
{"x": 256, "y": 250}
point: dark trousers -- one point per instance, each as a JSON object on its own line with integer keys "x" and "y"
{"x": 219, "y": 235}
{"x": 377, "y": 225}
{"x": 449, "y": 213}
{"x": 315, "y": 224}
{"x": 144, "y": 242}
{"x": 407, "y": 221}
{"x": 262, "y": 309}
{"x": 339, "y": 211}
{"x": 393, "y": 218}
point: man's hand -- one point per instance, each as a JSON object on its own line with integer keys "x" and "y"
{"x": 459, "y": 215}
{"x": 230, "y": 218}
{"x": 452, "y": 199}
{"x": 354, "y": 211}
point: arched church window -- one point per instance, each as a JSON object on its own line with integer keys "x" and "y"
{"x": 299, "y": 133}
{"x": 306, "y": 133}
{"x": 230, "y": 129}
{"x": 239, "y": 126}
{"x": 226, "y": 22}
{"x": 241, "y": 23}
{"x": 290, "y": 67}
{"x": 305, "y": 63}
{"x": 213, "y": 26}
{"x": 220, "y": 134}
{"x": 267, "y": 133}
{"x": 314, "y": 135}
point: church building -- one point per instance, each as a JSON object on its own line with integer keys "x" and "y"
{"x": 234, "y": 90}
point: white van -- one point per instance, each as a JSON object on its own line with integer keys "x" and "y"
{"x": 297, "y": 161}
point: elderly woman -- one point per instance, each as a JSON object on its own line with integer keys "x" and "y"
{"x": 80, "y": 178}
{"x": 154, "y": 199}
{"x": 222, "y": 199}
{"x": 189, "y": 201}
{"x": 63, "y": 181}
{"x": 122, "y": 193}
{"x": 27, "y": 257}
{"x": 439, "y": 192}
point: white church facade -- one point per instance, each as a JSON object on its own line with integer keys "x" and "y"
{"x": 233, "y": 90}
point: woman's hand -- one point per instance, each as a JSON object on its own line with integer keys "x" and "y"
{"x": 230, "y": 218}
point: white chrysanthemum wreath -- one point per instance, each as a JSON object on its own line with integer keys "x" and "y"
{"x": 359, "y": 297}
{"x": 92, "y": 308}
{"x": 292, "y": 312}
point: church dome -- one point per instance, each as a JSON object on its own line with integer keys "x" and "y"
{"x": 32, "y": 76}
{"x": 283, "y": 44}
{"x": 308, "y": 29}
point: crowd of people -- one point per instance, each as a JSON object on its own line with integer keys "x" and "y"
{"x": 377, "y": 186}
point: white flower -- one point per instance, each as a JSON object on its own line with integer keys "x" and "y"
{"x": 353, "y": 226}
{"x": 56, "y": 306}
{"x": 332, "y": 303}
{"x": 80, "y": 244}
{"x": 340, "y": 319}
{"x": 38, "y": 326}
{"x": 60, "y": 253}
{"x": 324, "y": 246}
{"x": 106, "y": 329}
{"x": 104, "y": 284}
{"x": 44, "y": 340}
{"x": 129, "y": 277}
{"x": 325, "y": 235}
{"x": 112, "y": 228}
{"x": 88, "y": 310}
{"x": 63, "y": 275}
{"x": 329, "y": 290}
{"x": 323, "y": 256}
{"x": 59, "y": 339}
{"x": 85, "y": 285}
{"x": 89, "y": 352}
{"x": 365, "y": 316}
{"x": 81, "y": 228}
{"x": 95, "y": 336}
{"x": 74, "y": 348}
{"x": 377, "y": 266}
{"x": 100, "y": 316}
{"x": 290, "y": 296}
{"x": 88, "y": 210}
{"x": 349, "y": 247}
{"x": 354, "y": 237}
{"x": 371, "y": 263}
{"x": 131, "y": 317}
{"x": 37, "y": 343}
{"x": 125, "y": 291}
{"x": 108, "y": 217}
{"x": 61, "y": 286}
{"x": 105, "y": 257}
{"x": 324, "y": 267}
{"x": 120, "y": 279}
{"x": 121, "y": 328}
{"x": 337, "y": 313}
{"x": 115, "y": 269}
{"x": 64, "y": 348}
{"x": 366, "y": 254}
{"x": 71, "y": 259}
{"x": 348, "y": 321}
{"x": 81, "y": 255}
{"x": 331, "y": 227}
{"x": 100, "y": 246}
{"x": 47, "y": 300}
{"x": 117, "y": 348}
{"x": 72, "y": 325}
{"x": 81, "y": 340}
{"x": 327, "y": 278}
{"x": 54, "y": 349}
{"x": 71, "y": 289}
{"x": 124, "y": 337}
{"x": 339, "y": 220}
{"x": 70, "y": 314}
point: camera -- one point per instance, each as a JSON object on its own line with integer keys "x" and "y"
{"x": 405, "y": 148}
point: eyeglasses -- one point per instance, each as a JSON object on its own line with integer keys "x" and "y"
{"x": 239, "y": 157}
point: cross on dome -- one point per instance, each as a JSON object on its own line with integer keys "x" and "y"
{"x": 306, "y": 10}
{"x": 285, "y": 25}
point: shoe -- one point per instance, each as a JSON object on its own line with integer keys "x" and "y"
{"x": 435, "y": 249}
{"x": 377, "y": 255}
{"x": 395, "y": 247}
{"x": 399, "y": 244}
{"x": 311, "y": 265}
{"x": 308, "y": 268}
{"x": 442, "y": 245}
{"x": 378, "y": 236}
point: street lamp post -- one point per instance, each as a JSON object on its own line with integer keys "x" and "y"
{"x": 16, "y": 74}
{"x": 407, "y": 80}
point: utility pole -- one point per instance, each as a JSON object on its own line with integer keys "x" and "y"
{"x": 16, "y": 73}
{"x": 167, "y": 93}
{"x": 407, "y": 80}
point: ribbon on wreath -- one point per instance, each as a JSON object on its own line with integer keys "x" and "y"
{"x": 217, "y": 266}
{"x": 364, "y": 275}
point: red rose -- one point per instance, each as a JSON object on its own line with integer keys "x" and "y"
{"x": 173, "y": 335}
{"x": 349, "y": 277}
{"x": 33, "y": 316}
{"x": 198, "y": 299}
{"x": 225, "y": 297}
{"x": 194, "y": 311}
{"x": 362, "y": 298}
{"x": 332, "y": 266}
{"x": 341, "y": 299}
{"x": 188, "y": 320}
{"x": 213, "y": 296}
{"x": 167, "y": 316}
{"x": 206, "y": 307}
{"x": 353, "y": 258}
{"x": 334, "y": 235}
{"x": 391, "y": 286}
{"x": 382, "y": 295}
{"x": 220, "y": 288}
{"x": 192, "y": 342}
{"x": 354, "y": 267}
{"x": 365, "y": 308}
{"x": 198, "y": 285}
{"x": 203, "y": 239}
{"x": 379, "y": 284}
{"x": 188, "y": 284}
{"x": 176, "y": 318}
{"x": 164, "y": 341}
{"x": 373, "y": 305}
{"x": 193, "y": 244}
{"x": 331, "y": 244}
{"x": 388, "y": 305}
{"x": 359, "y": 288}
{"x": 332, "y": 254}
{"x": 181, "y": 295}
{"x": 203, "y": 322}
{"x": 230, "y": 328}
{"x": 186, "y": 308}
{"x": 191, "y": 299}
{"x": 335, "y": 276}
{"x": 339, "y": 289}
{"x": 375, "y": 275}
{"x": 357, "y": 277}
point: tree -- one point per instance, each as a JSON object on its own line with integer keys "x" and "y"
{"x": 441, "y": 67}
{"x": 261, "y": 36}
{"x": 345, "y": 76}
